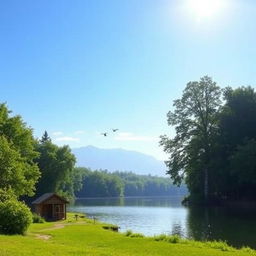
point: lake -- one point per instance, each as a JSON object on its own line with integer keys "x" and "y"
{"x": 152, "y": 216}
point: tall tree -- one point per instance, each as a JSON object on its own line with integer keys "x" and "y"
{"x": 18, "y": 172}
{"x": 57, "y": 167}
{"x": 236, "y": 144}
{"x": 195, "y": 121}
{"x": 45, "y": 137}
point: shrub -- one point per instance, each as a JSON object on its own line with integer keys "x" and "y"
{"x": 37, "y": 218}
{"x": 137, "y": 235}
{"x": 6, "y": 195}
{"x": 15, "y": 217}
{"x": 173, "y": 239}
{"x": 111, "y": 227}
{"x": 128, "y": 232}
{"x": 161, "y": 237}
{"x": 222, "y": 245}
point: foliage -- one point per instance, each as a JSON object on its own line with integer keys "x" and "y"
{"x": 6, "y": 195}
{"x": 57, "y": 168}
{"x": 105, "y": 184}
{"x": 213, "y": 141}
{"x": 235, "y": 158}
{"x": 37, "y": 218}
{"x": 18, "y": 172}
{"x": 147, "y": 185}
{"x": 137, "y": 235}
{"x": 15, "y": 217}
{"x": 128, "y": 232}
{"x": 195, "y": 121}
{"x": 100, "y": 184}
{"x": 111, "y": 227}
{"x": 174, "y": 239}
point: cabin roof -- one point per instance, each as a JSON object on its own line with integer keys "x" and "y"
{"x": 46, "y": 196}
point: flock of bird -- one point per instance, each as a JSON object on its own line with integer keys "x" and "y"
{"x": 105, "y": 133}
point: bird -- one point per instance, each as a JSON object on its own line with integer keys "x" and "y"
{"x": 114, "y": 130}
{"x": 104, "y": 134}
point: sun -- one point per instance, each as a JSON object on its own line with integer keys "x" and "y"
{"x": 205, "y": 8}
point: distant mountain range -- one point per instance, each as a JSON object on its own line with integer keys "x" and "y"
{"x": 118, "y": 159}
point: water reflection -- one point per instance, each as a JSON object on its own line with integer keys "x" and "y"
{"x": 174, "y": 201}
{"x": 152, "y": 216}
{"x": 237, "y": 226}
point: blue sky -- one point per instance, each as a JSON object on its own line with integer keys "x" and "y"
{"x": 79, "y": 68}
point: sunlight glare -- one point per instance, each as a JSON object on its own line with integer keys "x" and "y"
{"x": 205, "y": 8}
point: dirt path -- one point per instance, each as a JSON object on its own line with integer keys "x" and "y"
{"x": 43, "y": 237}
{"x": 47, "y": 237}
{"x": 56, "y": 226}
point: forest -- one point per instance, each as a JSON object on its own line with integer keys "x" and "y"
{"x": 214, "y": 149}
{"x": 105, "y": 184}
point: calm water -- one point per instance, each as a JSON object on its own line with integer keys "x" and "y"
{"x": 152, "y": 216}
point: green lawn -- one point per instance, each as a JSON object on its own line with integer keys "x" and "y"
{"x": 86, "y": 238}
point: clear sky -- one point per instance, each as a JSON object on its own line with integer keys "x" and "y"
{"x": 77, "y": 68}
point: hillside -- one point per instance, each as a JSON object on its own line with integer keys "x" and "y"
{"x": 118, "y": 159}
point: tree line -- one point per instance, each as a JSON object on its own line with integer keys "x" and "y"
{"x": 214, "y": 149}
{"x": 102, "y": 183}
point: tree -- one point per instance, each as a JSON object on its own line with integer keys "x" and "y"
{"x": 57, "y": 166}
{"x": 195, "y": 120}
{"x": 18, "y": 172}
{"x": 45, "y": 137}
{"x": 235, "y": 160}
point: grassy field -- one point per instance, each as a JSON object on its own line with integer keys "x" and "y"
{"x": 83, "y": 237}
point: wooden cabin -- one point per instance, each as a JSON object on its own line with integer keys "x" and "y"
{"x": 51, "y": 207}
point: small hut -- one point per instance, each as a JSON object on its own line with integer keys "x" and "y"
{"x": 51, "y": 206}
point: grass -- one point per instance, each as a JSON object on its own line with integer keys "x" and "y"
{"x": 83, "y": 237}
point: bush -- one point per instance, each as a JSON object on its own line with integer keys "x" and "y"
{"x": 6, "y": 194}
{"x": 37, "y": 218}
{"x": 15, "y": 217}
{"x": 174, "y": 239}
{"x": 222, "y": 245}
{"x": 128, "y": 232}
{"x": 111, "y": 227}
{"x": 161, "y": 237}
{"x": 139, "y": 235}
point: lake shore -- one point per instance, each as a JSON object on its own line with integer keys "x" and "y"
{"x": 84, "y": 237}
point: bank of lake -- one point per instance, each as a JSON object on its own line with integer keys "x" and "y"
{"x": 157, "y": 215}
{"x": 84, "y": 237}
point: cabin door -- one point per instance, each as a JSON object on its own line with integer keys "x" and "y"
{"x": 57, "y": 211}
{"x": 47, "y": 211}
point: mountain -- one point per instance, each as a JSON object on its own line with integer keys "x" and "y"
{"x": 118, "y": 159}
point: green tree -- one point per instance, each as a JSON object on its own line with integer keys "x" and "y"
{"x": 238, "y": 116}
{"x": 18, "y": 172}
{"x": 45, "y": 137}
{"x": 57, "y": 167}
{"x": 235, "y": 155}
{"x": 195, "y": 119}
{"x": 79, "y": 176}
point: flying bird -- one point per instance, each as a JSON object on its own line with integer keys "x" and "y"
{"x": 104, "y": 134}
{"x": 114, "y": 130}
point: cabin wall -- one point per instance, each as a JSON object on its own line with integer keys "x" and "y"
{"x": 53, "y": 200}
{"x": 52, "y": 209}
